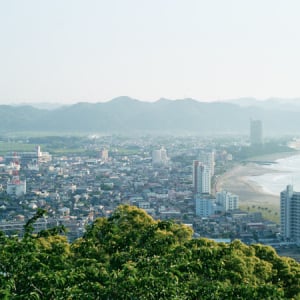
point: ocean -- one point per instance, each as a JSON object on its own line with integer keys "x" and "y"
{"x": 287, "y": 171}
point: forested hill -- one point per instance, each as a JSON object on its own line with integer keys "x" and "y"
{"x": 126, "y": 115}
{"x": 131, "y": 256}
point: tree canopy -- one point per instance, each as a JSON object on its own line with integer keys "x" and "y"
{"x": 132, "y": 256}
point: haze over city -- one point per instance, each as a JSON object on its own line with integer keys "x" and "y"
{"x": 149, "y": 149}
{"x": 92, "y": 51}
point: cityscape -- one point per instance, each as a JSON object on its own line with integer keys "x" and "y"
{"x": 169, "y": 177}
{"x": 149, "y": 150}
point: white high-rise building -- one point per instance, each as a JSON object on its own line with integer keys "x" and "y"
{"x": 208, "y": 159}
{"x": 290, "y": 214}
{"x": 201, "y": 178}
{"x": 159, "y": 157}
{"x": 256, "y": 133}
{"x": 227, "y": 201}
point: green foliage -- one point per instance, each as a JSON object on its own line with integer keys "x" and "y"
{"x": 15, "y": 146}
{"x": 28, "y": 228}
{"x": 131, "y": 256}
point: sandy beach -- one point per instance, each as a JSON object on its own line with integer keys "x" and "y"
{"x": 237, "y": 181}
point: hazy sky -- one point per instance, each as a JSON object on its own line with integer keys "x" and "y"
{"x": 94, "y": 50}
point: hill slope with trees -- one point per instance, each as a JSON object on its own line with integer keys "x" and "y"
{"x": 131, "y": 256}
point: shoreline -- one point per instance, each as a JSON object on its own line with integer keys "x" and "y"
{"x": 273, "y": 157}
{"x": 236, "y": 180}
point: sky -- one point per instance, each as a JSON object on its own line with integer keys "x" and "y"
{"x": 66, "y": 51}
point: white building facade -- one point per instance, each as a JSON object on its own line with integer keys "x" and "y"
{"x": 204, "y": 206}
{"x": 290, "y": 214}
{"x": 159, "y": 157}
{"x": 208, "y": 159}
{"x": 227, "y": 201}
{"x": 201, "y": 178}
{"x": 16, "y": 187}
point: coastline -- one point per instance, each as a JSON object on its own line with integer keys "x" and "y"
{"x": 272, "y": 157}
{"x": 250, "y": 192}
{"x": 237, "y": 182}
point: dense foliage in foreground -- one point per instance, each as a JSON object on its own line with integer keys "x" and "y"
{"x": 131, "y": 256}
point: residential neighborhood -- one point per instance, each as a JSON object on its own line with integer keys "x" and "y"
{"x": 155, "y": 174}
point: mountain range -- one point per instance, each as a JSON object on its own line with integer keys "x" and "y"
{"x": 129, "y": 116}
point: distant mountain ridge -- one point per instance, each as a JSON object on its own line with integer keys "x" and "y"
{"x": 289, "y": 104}
{"x": 127, "y": 115}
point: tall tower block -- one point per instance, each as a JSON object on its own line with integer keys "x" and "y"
{"x": 256, "y": 133}
{"x": 290, "y": 214}
{"x": 201, "y": 178}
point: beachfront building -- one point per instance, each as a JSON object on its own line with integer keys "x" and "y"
{"x": 201, "y": 178}
{"x": 290, "y": 214}
{"x": 227, "y": 201}
{"x": 256, "y": 133}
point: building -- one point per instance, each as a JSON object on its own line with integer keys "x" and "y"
{"x": 43, "y": 157}
{"x": 163, "y": 155}
{"x": 290, "y": 214}
{"x": 201, "y": 178}
{"x": 204, "y": 205}
{"x": 256, "y": 133}
{"x": 227, "y": 201}
{"x": 208, "y": 159}
{"x": 159, "y": 157}
{"x": 26, "y": 158}
{"x": 104, "y": 155}
{"x": 16, "y": 187}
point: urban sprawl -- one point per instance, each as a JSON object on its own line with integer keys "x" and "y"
{"x": 168, "y": 177}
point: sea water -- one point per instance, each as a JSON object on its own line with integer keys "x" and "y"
{"x": 283, "y": 172}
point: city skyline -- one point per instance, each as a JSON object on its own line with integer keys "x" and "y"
{"x": 93, "y": 51}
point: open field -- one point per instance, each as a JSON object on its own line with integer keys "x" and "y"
{"x": 15, "y": 147}
{"x": 269, "y": 212}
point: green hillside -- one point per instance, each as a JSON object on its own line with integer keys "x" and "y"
{"x": 131, "y": 256}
